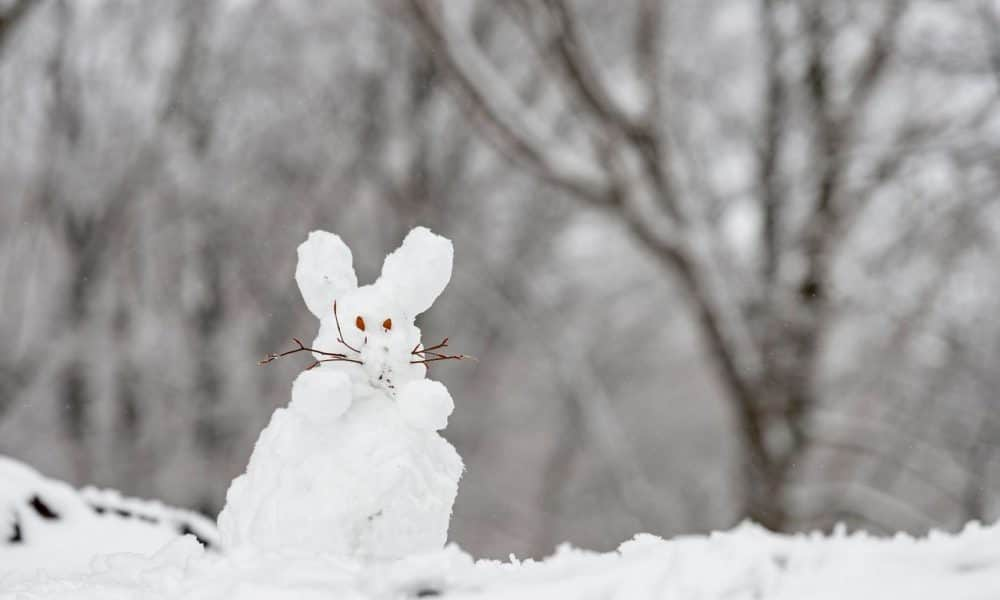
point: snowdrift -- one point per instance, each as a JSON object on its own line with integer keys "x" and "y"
{"x": 746, "y": 563}
{"x": 60, "y": 543}
{"x": 46, "y": 524}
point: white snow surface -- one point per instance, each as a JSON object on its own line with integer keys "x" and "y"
{"x": 743, "y": 564}
{"x": 48, "y": 527}
{"x": 355, "y": 466}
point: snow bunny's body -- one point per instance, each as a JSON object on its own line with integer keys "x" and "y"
{"x": 355, "y": 465}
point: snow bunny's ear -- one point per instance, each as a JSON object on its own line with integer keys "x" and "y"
{"x": 417, "y": 272}
{"x": 324, "y": 272}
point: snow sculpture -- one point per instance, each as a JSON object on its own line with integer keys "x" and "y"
{"x": 355, "y": 464}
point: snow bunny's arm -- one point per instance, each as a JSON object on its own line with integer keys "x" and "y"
{"x": 321, "y": 395}
{"x": 324, "y": 272}
{"x": 425, "y": 404}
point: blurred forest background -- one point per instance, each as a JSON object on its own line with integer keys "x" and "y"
{"x": 718, "y": 259}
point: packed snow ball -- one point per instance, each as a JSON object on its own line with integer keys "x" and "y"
{"x": 355, "y": 464}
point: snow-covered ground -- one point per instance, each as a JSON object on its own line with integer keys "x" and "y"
{"x": 46, "y": 524}
{"x": 103, "y": 546}
{"x": 746, "y": 563}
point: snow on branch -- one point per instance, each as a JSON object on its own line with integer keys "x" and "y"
{"x": 583, "y": 73}
{"x": 639, "y": 129}
{"x": 510, "y": 119}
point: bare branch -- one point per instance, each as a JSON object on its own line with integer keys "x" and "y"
{"x": 774, "y": 107}
{"x": 340, "y": 334}
{"x": 835, "y": 127}
{"x": 12, "y": 17}
{"x": 509, "y": 119}
{"x": 688, "y": 252}
{"x": 727, "y": 336}
{"x": 834, "y": 136}
{"x": 563, "y": 49}
{"x": 875, "y": 60}
{"x": 299, "y": 347}
{"x": 582, "y": 72}
{"x": 991, "y": 20}
{"x": 640, "y": 131}
{"x": 430, "y": 354}
{"x": 649, "y": 49}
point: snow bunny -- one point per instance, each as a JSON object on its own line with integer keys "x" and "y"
{"x": 355, "y": 464}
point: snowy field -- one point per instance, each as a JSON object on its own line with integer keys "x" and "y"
{"x": 746, "y": 563}
{"x": 99, "y": 545}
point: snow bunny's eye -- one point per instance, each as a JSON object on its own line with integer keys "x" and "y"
{"x": 387, "y": 324}
{"x": 360, "y": 323}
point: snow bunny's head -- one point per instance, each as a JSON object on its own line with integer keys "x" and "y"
{"x": 374, "y": 324}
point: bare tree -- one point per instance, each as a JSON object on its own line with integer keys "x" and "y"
{"x": 764, "y": 322}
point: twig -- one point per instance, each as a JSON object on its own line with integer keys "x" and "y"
{"x": 337, "y": 359}
{"x": 443, "y": 343}
{"x": 334, "y": 356}
{"x": 340, "y": 334}
{"x": 435, "y": 356}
